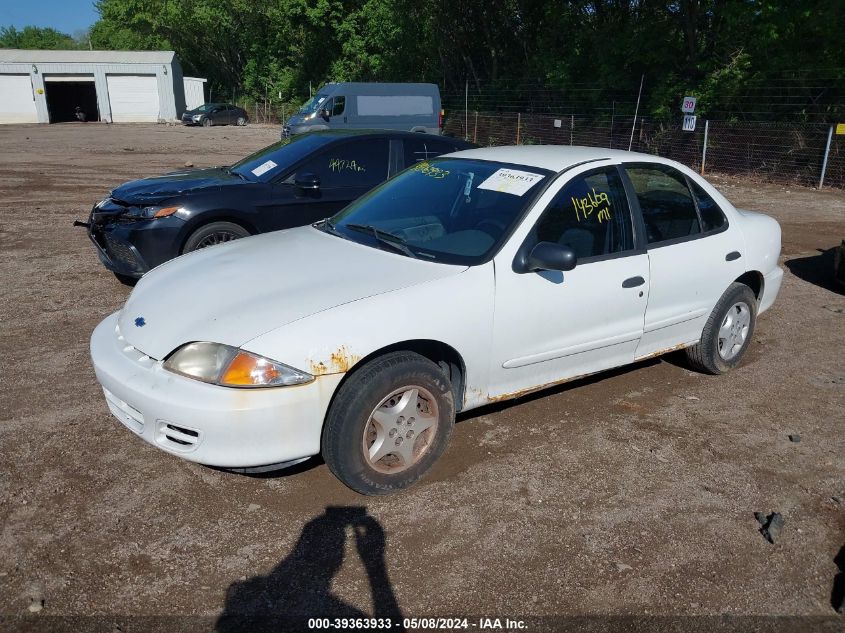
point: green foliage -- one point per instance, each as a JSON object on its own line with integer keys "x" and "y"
{"x": 717, "y": 50}
{"x": 34, "y": 37}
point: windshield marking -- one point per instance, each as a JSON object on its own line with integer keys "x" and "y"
{"x": 428, "y": 169}
{"x": 264, "y": 167}
{"x": 513, "y": 181}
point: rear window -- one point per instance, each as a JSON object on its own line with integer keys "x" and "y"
{"x": 712, "y": 216}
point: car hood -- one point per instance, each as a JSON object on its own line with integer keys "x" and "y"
{"x": 232, "y": 293}
{"x": 150, "y": 190}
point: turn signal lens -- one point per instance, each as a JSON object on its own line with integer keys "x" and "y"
{"x": 249, "y": 370}
{"x": 165, "y": 211}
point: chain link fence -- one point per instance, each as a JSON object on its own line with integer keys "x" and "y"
{"x": 780, "y": 152}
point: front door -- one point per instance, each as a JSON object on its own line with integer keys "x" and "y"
{"x": 550, "y": 325}
{"x": 346, "y": 171}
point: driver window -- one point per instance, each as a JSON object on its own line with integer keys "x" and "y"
{"x": 667, "y": 205}
{"x": 339, "y": 105}
{"x": 590, "y": 215}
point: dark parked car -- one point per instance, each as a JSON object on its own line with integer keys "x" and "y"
{"x": 209, "y": 114}
{"x": 144, "y": 223}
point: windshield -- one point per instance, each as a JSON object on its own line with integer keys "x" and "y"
{"x": 449, "y": 210}
{"x": 272, "y": 161}
{"x": 313, "y": 104}
{"x": 205, "y": 107}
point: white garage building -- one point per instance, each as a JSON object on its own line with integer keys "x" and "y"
{"x": 115, "y": 86}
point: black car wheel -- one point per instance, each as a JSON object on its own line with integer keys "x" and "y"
{"x": 241, "y": 121}
{"x": 388, "y": 423}
{"x": 126, "y": 280}
{"x": 206, "y": 122}
{"x": 213, "y": 234}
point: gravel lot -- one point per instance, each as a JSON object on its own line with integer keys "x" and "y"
{"x": 630, "y": 493}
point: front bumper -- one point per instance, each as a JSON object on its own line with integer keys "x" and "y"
{"x": 218, "y": 426}
{"x": 132, "y": 248}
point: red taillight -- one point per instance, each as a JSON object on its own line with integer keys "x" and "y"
{"x": 440, "y": 118}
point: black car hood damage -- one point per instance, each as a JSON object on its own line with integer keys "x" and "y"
{"x": 151, "y": 190}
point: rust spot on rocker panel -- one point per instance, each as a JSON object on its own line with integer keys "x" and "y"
{"x": 674, "y": 348}
{"x": 527, "y": 390}
{"x": 339, "y": 362}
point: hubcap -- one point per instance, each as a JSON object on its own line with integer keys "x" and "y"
{"x": 734, "y": 330}
{"x": 218, "y": 237}
{"x": 400, "y": 429}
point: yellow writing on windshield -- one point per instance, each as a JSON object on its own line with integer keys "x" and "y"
{"x": 585, "y": 207}
{"x": 430, "y": 170}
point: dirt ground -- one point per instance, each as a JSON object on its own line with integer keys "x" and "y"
{"x": 632, "y": 493}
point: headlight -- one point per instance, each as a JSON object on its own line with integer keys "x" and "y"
{"x": 196, "y": 117}
{"x": 231, "y": 367}
{"x": 151, "y": 212}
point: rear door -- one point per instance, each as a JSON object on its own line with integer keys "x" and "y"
{"x": 346, "y": 170}
{"x": 694, "y": 255}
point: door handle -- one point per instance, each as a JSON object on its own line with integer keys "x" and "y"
{"x": 633, "y": 282}
{"x": 732, "y": 256}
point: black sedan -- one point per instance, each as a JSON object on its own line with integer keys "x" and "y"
{"x": 144, "y": 223}
{"x": 209, "y": 114}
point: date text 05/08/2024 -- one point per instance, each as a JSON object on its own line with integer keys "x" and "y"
{"x": 418, "y": 624}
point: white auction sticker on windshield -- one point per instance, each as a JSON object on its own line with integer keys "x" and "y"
{"x": 512, "y": 181}
{"x": 264, "y": 167}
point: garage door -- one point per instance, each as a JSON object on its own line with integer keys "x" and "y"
{"x": 133, "y": 98}
{"x": 17, "y": 104}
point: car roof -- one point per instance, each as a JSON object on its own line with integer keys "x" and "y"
{"x": 341, "y": 133}
{"x": 552, "y": 157}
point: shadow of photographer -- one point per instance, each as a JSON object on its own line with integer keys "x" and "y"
{"x": 299, "y": 587}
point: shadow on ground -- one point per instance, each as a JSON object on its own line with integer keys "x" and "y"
{"x": 817, "y": 270}
{"x": 837, "y": 593}
{"x": 299, "y": 587}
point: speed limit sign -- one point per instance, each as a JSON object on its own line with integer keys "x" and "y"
{"x": 688, "y": 105}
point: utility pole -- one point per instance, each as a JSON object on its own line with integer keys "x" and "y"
{"x": 636, "y": 112}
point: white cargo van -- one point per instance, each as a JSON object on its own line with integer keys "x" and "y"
{"x": 382, "y": 106}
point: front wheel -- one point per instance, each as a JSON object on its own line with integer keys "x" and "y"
{"x": 727, "y": 333}
{"x": 390, "y": 421}
{"x": 213, "y": 234}
{"x": 206, "y": 122}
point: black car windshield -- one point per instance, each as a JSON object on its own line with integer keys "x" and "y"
{"x": 313, "y": 104}
{"x": 265, "y": 164}
{"x": 449, "y": 210}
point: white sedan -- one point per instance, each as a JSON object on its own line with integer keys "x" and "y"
{"x": 467, "y": 279}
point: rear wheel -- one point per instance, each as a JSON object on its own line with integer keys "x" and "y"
{"x": 727, "y": 333}
{"x": 213, "y": 234}
{"x": 241, "y": 121}
{"x": 388, "y": 424}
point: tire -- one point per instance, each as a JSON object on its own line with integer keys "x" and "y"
{"x": 206, "y": 122}
{"x": 241, "y": 121}
{"x": 126, "y": 280}
{"x": 372, "y": 408}
{"x": 727, "y": 333}
{"x": 213, "y": 234}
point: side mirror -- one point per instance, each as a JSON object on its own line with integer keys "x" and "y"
{"x": 307, "y": 181}
{"x": 325, "y": 113}
{"x": 550, "y": 256}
